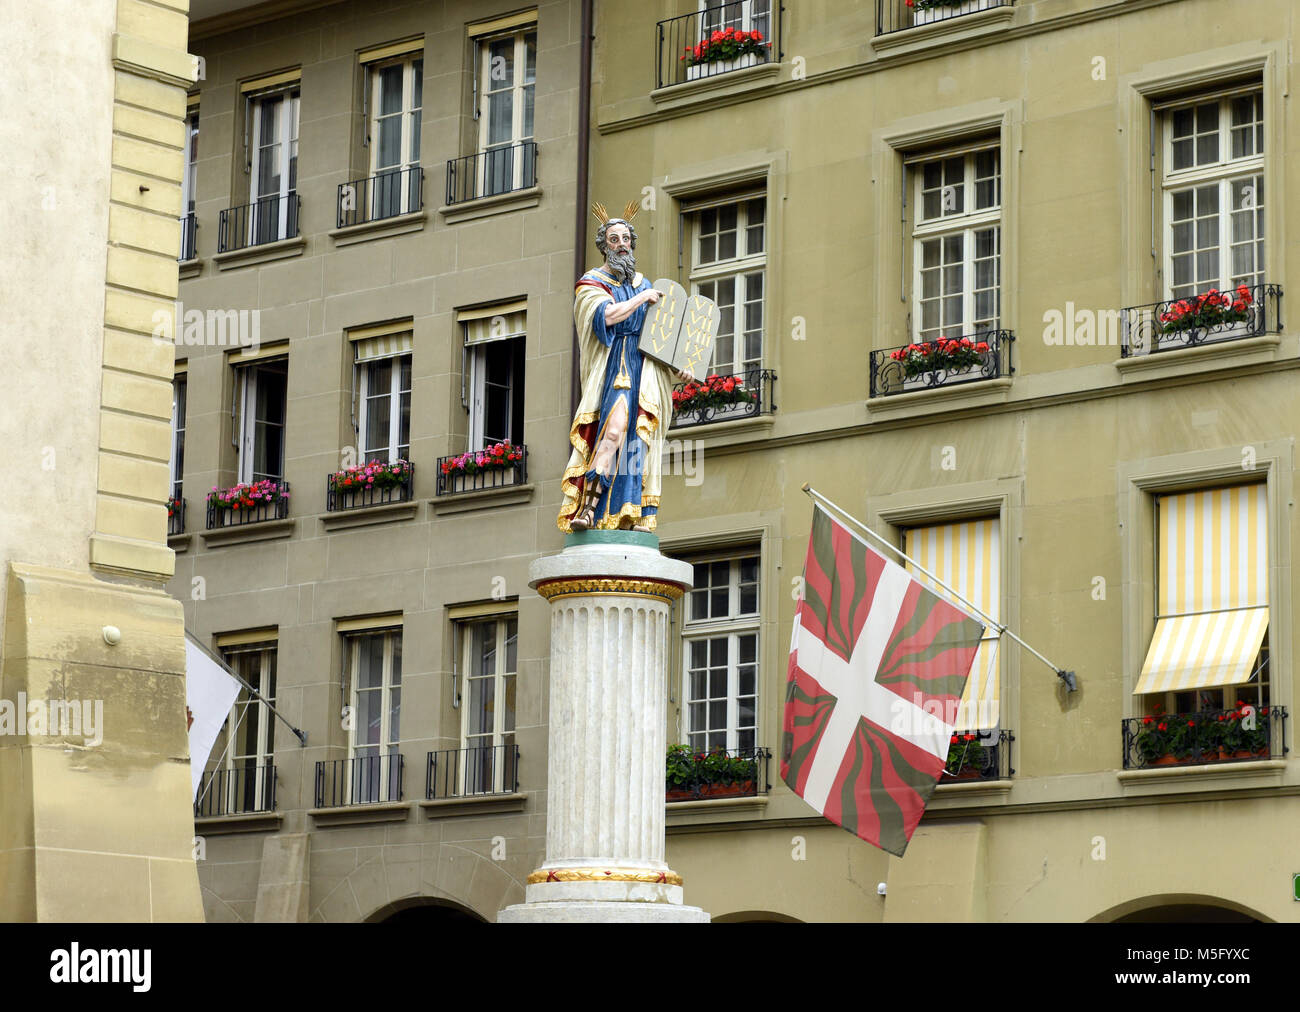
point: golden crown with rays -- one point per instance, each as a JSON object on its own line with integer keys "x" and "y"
{"x": 603, "y": 217}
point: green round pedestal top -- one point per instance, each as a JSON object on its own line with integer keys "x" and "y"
{"x": 603, "y": 538}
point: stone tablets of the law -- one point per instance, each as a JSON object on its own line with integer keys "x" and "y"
{"x": 679, "y": 329}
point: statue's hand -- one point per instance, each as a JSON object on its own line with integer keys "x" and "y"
{"x": 686, "y": 376}
{"x": 652, "y": 295}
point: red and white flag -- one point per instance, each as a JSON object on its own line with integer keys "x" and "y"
{"x": 877, "y": 667}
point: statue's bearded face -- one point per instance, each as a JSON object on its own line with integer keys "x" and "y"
{"x": 619, "y": 258}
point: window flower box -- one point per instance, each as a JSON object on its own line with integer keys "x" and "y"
{"x": 370, "y": 484}
{"x": 1188, "y": 321}
{"x": 1167, "y": 739}
{"x": 721, "y": 773}
{"x": 719, "y": 395}
{"x": 723, "y": 51}
{"x": 247, "y": 503}
{"x": 501, "y": 464}
{"x": 925, "y": 12}
{"x": 930, "y": 363}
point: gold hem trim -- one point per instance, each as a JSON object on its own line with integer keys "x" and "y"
{"x": 604, "y": 875}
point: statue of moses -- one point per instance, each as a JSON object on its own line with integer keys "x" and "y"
{"x": 614, "y": 475}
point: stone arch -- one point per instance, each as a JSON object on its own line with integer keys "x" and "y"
{"x": 755, "y": 917}
{"x": 425, "y": 910}
{"x": 1180, "y": 908}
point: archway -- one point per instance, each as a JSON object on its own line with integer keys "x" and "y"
{"x": 424, "y": 911}
{"x": 1180, "y": 909}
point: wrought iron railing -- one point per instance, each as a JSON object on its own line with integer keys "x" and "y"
{"x": 228, "y": 516}
{"x": 175, "y": 516}
{"x": 924, "y": 364}
{"x": 386, "y": 195}
{"x": 362, "y": 780}
{"x": 452, "y": 480}
{"x": 976, "y": 756}
{"x": 686, "y": 49}
{"x": 189, "y": 237}
{"x": 492, "y": 172}
{"x": 895, "y": 15}
{"x": 724, "y": 397}
{"x": 1200, "y": 319}
{"x": 743, "y": 774}
{"x": 459, "y": 772}
{"x": 1205, "y": 736}
{"x": 242, "y": 790}
{"x": 339, "y": 497}
{"x": 267, "y": 220}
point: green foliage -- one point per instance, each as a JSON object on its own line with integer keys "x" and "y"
{"x": 688, "y": 770}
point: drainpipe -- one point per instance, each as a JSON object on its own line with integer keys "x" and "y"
{"x": 580, "y": 208}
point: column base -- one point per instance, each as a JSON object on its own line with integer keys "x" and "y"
{"x": 600, "y": 912}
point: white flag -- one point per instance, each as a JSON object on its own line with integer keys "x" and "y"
{"x": 210, "y": 692}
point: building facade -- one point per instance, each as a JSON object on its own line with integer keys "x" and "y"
{"x": 1105, "y": 467}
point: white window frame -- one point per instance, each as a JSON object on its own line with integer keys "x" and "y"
{"x": 965, "y": 224}
{"x": 289, "y": 100}
{"x": 1223, "y": 172}
{"x": 246, "y": 433}
{"x": 478, "y": 391}
{"x": 389, "y": 782}
{"x": 176, "y": 460}
{"x": 412, "y": 108}
{"x": 189, "y": 180}
{"x": 499, "y": 733}
{"x": 745, "y": 22}
{"x": 733, "y": 625}
{"x": 265, "y": 744}
{"x": 734, "y": 270}
{"x": 484, "y": 115}
{"x": 394, "y": 394}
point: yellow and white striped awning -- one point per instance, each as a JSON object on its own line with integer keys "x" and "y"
{"x": 494, "y": 323}
{"x": 381, "y": 341}
{"x": 965, "y": 556}
{"x": 1213, "y": 590}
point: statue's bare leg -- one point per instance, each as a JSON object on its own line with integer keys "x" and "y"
{"x": 602, "y": 464}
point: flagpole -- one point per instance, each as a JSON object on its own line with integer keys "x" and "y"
{"x": 1068, "y": 677}
{"x": 301, "y": 735}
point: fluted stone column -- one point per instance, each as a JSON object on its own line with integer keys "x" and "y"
{"x": 610, "y": 595}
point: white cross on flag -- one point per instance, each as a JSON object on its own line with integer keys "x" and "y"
{"x": 878, "y": 664}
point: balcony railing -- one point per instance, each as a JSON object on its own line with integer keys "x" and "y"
{"x": 895, "y": 15}
{"x": 492, "y": 172}
{"x": 239, "y": 791}
{"x": 983, "y": 757}
{"x": 685, "y": 49}
{"x": 259, "y": 510}
{"x": 267, "y": 220}
{"x": 175, "y": 516}
{"x": 189, "y": 237}
{"x": 1190, "y": 322}
{"x": 923, "y": 365}
{"x": 386, "y": 195}
{"x": 455, "y": 481}
{"x": 459, "y": 772}
{"x": 363, "y": 780}
{"x": 745, "y": 776}
{"x": 1206, "y": 736}
{"x": 724, "y": 398}
{"x": 338, "y": 497}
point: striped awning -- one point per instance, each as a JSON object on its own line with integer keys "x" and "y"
{"x": 965, "y": 556}
{"x": 1213, "y": 590}
{"x": 380, "y": 341}
{"x": 494, "y": 323}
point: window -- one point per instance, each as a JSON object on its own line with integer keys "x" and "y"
{"x": 260, "y": 393}
{"x": 1209, "y": 648}
{"x": 489, "y": 663}
{"x": 250, "y": 747}
{"x": 382, "y": 393}
{"x": 188, "y": 185}
{"x": 177, "y": 464}
{"x": 728, "y": 266}
{"x": 745, "y": 16}
{"x": 956, "y": 243}
{"x": 493, "y": 380}
{"x": 374, "y": 663}
{"x": 1213, "y": 193}
{"x": 396, "y": 96}
{"x": 507, "y": 81}
{"x": 965, "y": 556}
{"x": 274, "y": 168}
{"x": 720, "y": 638}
